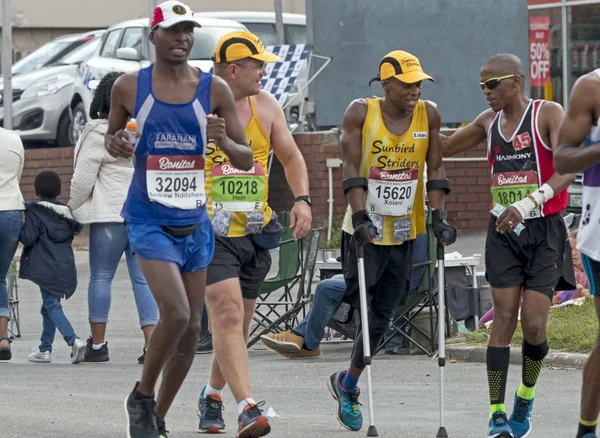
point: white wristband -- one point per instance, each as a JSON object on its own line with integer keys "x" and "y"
{"x": 526, "y": 205}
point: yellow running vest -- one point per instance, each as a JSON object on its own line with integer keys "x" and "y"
{"x": 394, "y": 166}
{"x": 237, "y": 200}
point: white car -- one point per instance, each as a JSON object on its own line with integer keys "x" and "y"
{"x": 41, "y": 98}
{"x": 126, "y": 48}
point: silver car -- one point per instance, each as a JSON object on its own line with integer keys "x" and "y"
{"x": 41, "y": 98}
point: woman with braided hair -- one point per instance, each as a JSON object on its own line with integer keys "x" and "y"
{"x": 98, "y": 190}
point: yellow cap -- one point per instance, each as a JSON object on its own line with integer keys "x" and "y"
{"x": 239, "y": 45}
{"x": 402, "y": 66}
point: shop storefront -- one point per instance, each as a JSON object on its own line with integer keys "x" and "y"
{"x": 562, "y": 30}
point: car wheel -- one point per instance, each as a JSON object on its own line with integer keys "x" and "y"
{"x": 63, "y": 136}
{"x": 78, "y": 123}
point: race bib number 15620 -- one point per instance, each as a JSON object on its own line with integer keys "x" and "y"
{"x": 392, "y": 192}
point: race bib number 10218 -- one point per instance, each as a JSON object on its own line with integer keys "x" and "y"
{"x": 176, "y": 181}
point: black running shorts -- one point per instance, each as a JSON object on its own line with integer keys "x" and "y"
{"x": 538, "y": 259}
{"x": 238, "y": 257}
{"x": 387, "y": 273}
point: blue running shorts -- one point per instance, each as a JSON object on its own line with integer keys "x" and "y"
{"x": 192, "y": 253}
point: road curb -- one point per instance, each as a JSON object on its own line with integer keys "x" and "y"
{"x": 478, "y": 355}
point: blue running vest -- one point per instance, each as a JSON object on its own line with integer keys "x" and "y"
{"x": 168, "y": 181}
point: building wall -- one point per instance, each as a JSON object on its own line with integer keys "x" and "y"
{"x": 468, "y": 204}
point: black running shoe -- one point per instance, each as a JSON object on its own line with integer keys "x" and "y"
{"x": 142, "y": 358}
{"x": 252, "y": 423}
{"x": 162, "y": 428}
{"x": 141, "y": 419}
{"x": 210, "y": 412}
{"x": 205, "y": 345}
{"x": 91, "y": 355}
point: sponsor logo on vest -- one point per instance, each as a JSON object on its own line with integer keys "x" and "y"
{"x": 378, "y": 147}
{"x": 419, "y": 135}
{"x": 175, "y": 141}
{"x": 523, "y": 156}
{"x": 228, "y": 169}
{"x": 401, "y": 176}
{"x": 512, "y": 180}
{"x": 165, "y": 163}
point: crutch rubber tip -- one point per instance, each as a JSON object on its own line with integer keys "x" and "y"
{"x": 372, "y": 431}
{"x": 442, "y": 433}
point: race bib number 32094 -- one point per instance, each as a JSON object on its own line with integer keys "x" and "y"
{"x": 392, "y": 192}
{"x": 176, "y": 181}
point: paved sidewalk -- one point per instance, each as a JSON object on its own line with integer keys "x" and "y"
{"x": 64, "y": 400}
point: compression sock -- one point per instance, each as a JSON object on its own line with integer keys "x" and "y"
{"x": 533, "y": 361}
{"x": 498, "y": 359}
{"x": 586, "y": 427}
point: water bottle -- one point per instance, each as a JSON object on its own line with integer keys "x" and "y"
{"x": 131, "y": 131}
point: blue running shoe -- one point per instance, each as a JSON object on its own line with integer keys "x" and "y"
{"x": 210, "y": 409}
{"x": 252, "y": 423}
{"x": 348, "y": 413}
{"x": 499, "y": 426}
{"x": 590, "y": 435}
{"x": 520, "y": 420}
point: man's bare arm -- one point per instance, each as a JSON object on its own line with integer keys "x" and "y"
{"x": 234, "y": 143}
{"x": 435, "y": 167}
{"x": 290, "y": 157}
{"x": 582, "y": 114}
{"x": 552, "y": 113}
{"x": 468, "y": 137}
{"x": 285, "y": 148}
{"x": 354, "y": 118}
{"x": 115, "y": 141}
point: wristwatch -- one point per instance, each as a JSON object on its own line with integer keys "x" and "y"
{"x": 306, "y": 199}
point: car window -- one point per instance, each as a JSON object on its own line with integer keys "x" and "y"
{"x": 295, "y": 34}
{"x": 132, "y": 38}
{"x": 82, "y": 53}
{"x": 39, "y": 57}
{"x": 265, "y": 31}
{"x": 110, "y": 44}
{"x": 205, "y": 41}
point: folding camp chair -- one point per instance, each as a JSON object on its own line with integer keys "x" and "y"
{"x": 13, "y": 301}
{"x": 282, "y": 313}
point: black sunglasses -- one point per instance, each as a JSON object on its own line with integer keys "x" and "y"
{"x": 492, "y": 83}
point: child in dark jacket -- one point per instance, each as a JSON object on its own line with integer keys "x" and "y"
{"x": 48, "y": 261}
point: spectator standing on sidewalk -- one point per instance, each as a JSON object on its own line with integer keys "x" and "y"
{"x": 98, "y": 191}
{"x": 11, "y": 207}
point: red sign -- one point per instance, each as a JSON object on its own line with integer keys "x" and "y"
{"x": 539, "y": 50}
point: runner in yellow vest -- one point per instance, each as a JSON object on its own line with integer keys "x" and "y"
{"x": 245, "y": 228}
{"x": 385, "y": 144}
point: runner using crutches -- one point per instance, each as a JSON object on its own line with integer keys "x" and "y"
{"x": 386, "y": 143}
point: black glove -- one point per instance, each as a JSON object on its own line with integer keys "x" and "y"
{"x": 443, "y": 231}
{"x": 364, "y": 230}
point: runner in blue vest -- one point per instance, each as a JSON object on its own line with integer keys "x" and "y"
{"x": 579, "y": 151}
{"x": 177, "y": 109}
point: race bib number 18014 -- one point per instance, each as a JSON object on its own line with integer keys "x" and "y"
{"x": 176, "y": 181}
{"x": 511, "y": 187}
{"x": 392, "y": 192}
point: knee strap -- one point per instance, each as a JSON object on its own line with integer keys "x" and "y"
{"x": 438, "y": 184}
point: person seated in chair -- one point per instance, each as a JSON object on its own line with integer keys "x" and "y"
{"x": 304, "y": 340}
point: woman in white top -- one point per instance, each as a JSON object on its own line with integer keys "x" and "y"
{"x": 98, "y": 190}
{"x": 11, "y": 221}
